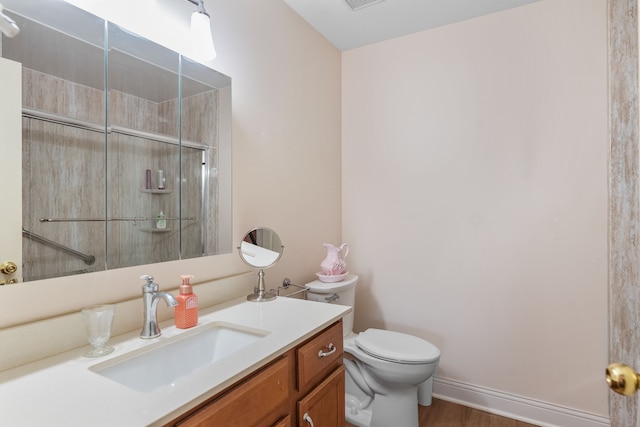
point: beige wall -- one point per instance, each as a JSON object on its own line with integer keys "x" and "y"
{"x": 475, "y": 197}
{"x": 473, "y": 187}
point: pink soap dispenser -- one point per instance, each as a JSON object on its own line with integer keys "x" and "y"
{"x": 186, "y": 313}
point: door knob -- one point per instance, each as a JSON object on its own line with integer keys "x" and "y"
{"x": 8, "y": 267}
{"x": 622, "y": 379}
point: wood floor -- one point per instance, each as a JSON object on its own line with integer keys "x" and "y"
{"x": 447, "y": 414}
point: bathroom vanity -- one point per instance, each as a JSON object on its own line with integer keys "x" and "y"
{"x": 281, "y": 362}
{"x": 305, "y": 384}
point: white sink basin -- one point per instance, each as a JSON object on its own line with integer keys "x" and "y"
{"x": 160, "y": 365}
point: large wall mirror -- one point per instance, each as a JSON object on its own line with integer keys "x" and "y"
{"x": 125, "y": 146}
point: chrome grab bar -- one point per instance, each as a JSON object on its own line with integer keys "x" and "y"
{"x": 131, "y": 218}
{"x": 92, "y": 219}
{"x": 102, "y": 128}
{"x": 88, "y": 259}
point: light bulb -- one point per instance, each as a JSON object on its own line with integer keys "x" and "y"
{"x": 202, "y": 39}
{"x": 7, "y": 25}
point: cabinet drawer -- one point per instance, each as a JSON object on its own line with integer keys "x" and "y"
{"x": 259, "y": 401}
{"x": 319, "y": 356}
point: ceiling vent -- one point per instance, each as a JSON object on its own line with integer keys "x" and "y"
{"x": 359, "y": 4}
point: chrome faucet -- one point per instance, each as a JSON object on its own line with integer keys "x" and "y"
{"x": 150, "y": 298}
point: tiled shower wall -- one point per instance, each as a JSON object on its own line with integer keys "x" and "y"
{"x": 95, "y": 181}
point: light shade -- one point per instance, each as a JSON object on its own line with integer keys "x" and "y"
{"x": 202, "y": 39}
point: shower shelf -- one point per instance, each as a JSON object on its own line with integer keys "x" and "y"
{"x": 151, "y": 191}
{"x": 156, "y": 230}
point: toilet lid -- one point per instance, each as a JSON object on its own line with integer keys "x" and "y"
{"x": 331, "y": 288}
{"x": 396, "y": 346}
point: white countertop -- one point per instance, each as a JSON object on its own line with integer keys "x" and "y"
{"x": 62, "y": 391}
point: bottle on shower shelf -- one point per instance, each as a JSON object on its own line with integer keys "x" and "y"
{"x": 161, "y": 221}
{"x": 148, "y": 179}
{"x": 160, "y": 180}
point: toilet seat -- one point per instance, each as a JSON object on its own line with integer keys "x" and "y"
{"x": 396, "y": 347}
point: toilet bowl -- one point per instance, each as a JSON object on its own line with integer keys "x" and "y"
{"x": 388, "y": 373}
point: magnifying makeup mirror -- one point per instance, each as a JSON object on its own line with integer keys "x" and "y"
{"x": 261, "y": 248}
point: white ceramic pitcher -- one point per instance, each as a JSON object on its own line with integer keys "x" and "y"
{"x": 334, "y": 264}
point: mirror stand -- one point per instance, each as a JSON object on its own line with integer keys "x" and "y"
{"x": 260, "y": 293}
{"x": 261, "y": 248}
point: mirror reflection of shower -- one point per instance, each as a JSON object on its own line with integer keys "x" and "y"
{"x": 7, "y": 25}
{"x": 89, "y": 142}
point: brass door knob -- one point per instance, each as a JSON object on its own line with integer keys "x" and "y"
{"x": 622, "y": 379}
{"x": 8, "y": 282}
{"x": 8, "y": 267}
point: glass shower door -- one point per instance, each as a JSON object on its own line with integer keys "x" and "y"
{"x": 143, "y": 151}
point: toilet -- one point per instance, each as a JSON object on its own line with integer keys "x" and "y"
{"x": 387, "y": 373}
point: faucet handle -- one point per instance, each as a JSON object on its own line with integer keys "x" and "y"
{"x": 150, "y": 285}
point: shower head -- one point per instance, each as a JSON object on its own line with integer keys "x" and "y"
{"x": 7, "y": 25}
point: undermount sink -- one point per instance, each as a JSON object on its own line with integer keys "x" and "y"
{"x": 163, "y": 363}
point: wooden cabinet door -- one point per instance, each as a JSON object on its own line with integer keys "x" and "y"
{"x": 324, "y": 405}
{"x": 262, "y": 400}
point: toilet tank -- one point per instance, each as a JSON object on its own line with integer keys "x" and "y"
{"x": 342, "y": 293}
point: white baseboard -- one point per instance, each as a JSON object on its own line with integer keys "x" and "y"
{"x": 516, "y": 407}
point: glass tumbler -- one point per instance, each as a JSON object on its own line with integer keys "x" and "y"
{"x": 97, "y": 322}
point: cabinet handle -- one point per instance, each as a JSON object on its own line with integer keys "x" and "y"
{"x": 306, "y": 417}
{"x": 332, "y": 349}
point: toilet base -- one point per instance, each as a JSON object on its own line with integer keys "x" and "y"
{"x": 371, "y": 404}
{"x": 355, "y": 414}
{"x": 399, "y": 410}
{"x": 425, "y": 391}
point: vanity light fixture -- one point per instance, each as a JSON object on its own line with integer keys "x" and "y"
{"x": 201, "y": 31}
{"x": 7, "y": 25}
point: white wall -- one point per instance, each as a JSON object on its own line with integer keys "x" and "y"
{"x": 10, "y": 123}
{"x": 475, "y": 197}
